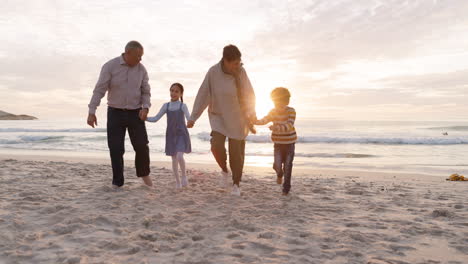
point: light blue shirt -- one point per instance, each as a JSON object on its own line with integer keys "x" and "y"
{"x": 173, "y": 106}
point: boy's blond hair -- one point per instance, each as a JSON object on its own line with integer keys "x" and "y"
{"x": 280, "y": 94}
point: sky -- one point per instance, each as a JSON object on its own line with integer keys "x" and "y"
{"x": 341, "y": 59}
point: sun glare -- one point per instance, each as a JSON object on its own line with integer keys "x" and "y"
{"x": 264, "y": 84}
{"x": 263, "y": 105}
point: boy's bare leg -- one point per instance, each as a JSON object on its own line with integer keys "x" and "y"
{"x": 147, "y": 181}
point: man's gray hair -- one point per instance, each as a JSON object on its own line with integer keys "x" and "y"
{"x": 133, "y": 45}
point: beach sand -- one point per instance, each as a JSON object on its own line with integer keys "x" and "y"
{"x": 59, "y": 210}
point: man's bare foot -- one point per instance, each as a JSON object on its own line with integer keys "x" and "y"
{"x": 147, "y": 181}
{"x": 279, "y": 180}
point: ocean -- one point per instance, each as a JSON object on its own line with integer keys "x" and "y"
{"x": 432, "y": 147}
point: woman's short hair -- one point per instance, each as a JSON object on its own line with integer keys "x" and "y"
{"x": 231, "y": 52}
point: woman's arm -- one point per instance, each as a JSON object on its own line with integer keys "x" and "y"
{"x": 203, "y": 98}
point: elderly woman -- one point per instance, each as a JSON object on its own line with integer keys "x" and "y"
{"x": 229, "y": 96}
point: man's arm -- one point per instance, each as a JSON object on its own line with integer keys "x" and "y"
{"x": 145, "y": 92}
{"x": 145, "y": 96}
{"x": 100, "y": 90}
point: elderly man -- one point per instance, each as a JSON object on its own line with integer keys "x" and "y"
{"x": 229, "y": 94}
{"x": 125, "y": 80}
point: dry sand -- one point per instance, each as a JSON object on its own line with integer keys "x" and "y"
{"x": 66, "y": 212}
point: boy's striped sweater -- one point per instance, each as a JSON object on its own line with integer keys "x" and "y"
{"x": 283, "y": 122}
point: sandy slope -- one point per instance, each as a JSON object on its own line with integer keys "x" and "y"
{"x": 65, "y": 212}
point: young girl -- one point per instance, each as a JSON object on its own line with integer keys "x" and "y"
{"x": 177, "y": 136}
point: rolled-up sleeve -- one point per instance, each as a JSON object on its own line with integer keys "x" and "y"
{"x": 100, "y": 89}
{"x": 145, "y": 91}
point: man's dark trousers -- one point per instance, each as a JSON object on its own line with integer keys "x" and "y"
{"x": 118, "y": 121}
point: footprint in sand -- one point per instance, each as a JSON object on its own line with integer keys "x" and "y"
{"x": 131, "y": 251}
{"x": 53, "y": 209}
{"x": 268, "y": 235}
{"x": 73, "y": 260}
{"x": 305, "y": 234}
{"x": 103, "y": 221}
{"x": 353, "y": 225}
{"x": 110, "y": 245}
{"x": 66, "y": 229}
{"x": 356, "y": 191}
{"x": 238, "y": 245}
{"x": 266, "y": 249}
{"x": 232, "y": 236}
{"x": 198, "y": 238}
{"x": 295, "y": 242}
{"x": 442, "y": 213}
{"x": 379, "y": 261}
{"x": 243, "y": 226}
{"x": 150, "y": 236}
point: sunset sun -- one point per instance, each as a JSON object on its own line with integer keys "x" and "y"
{"x": 263, "y": 105}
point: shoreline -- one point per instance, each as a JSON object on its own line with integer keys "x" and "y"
{"x": 213, "y": 167}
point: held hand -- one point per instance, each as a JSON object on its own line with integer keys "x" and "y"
{"x": 190, "y": 123}
{"x": 92, "y": 120}
{"x": 143, "y": 114}
{"x": 253, "y": 119}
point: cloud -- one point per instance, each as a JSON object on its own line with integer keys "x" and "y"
{"x": 455, "y": 82}
{"x": 339, "y": 54}
{"x": 337, "y": 32}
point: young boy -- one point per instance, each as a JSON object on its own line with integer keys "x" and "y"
{"x": 283, "y": 135}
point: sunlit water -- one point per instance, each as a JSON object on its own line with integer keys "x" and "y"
{"x": 352, "y": 145}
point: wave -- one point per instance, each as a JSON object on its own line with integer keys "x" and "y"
{"x": 320, "y": 155}
{"x": 336, "y": 155}
{"x": 387, "y": 140}
{"x": 33, "y": 139}
{"x": 96, "y": 138}
{"x": 205, "y": 136}
{"x": 450, "y": 128}
{"x": 69, "y": 130}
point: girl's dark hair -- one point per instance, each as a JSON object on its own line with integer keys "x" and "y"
{"x": 181, "y": 87}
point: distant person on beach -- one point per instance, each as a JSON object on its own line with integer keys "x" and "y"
{"x": 125, "y": 80}
{"x": 230, "y": 98}
{"x": 283, "y": 135}
{"x": 177, "y": 135}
